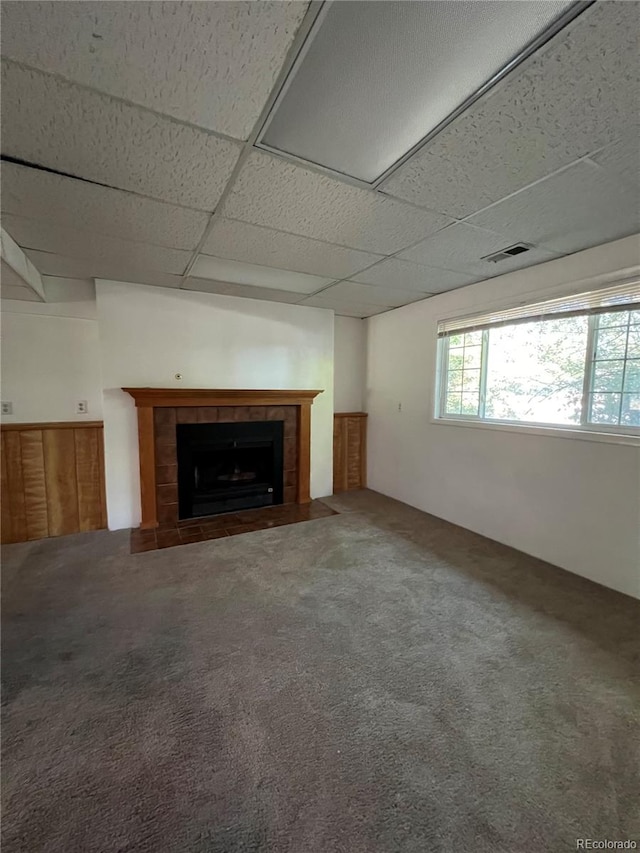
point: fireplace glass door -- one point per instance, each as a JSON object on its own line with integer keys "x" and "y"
{"x": 229, "y": 466}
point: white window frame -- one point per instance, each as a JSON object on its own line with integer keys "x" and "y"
{"x": 611, "y": 433}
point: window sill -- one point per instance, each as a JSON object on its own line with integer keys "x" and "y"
{"x": 574, "y": 433}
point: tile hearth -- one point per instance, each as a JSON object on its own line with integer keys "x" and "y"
{"x": 227, "y": 524}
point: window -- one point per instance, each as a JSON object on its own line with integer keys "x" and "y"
{"x": 568, "y": 362}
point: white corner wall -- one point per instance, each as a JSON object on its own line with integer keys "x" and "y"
{"x": 149, "y": 334}
{"x": 350, "y": 364}
{"x": 50, "y": 362}
{"x": 570, "y": 501}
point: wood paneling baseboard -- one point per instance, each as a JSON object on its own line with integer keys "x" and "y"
{"x": 52, "y": 479}
{"x": 349, "y": 451}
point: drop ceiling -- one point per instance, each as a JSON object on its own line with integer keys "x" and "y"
{"x": 131, "y": 134}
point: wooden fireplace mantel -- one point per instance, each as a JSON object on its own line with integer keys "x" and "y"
{"x": 219, "y": 397}
{"x": 148, "y": 399}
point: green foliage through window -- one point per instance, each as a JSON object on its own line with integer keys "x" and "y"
{"x": 579, "y": 370}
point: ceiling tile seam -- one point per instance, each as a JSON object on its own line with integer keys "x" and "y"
{"x": 91, "y": 231}
{"x": 296, "y": 46}
{"x": 218, "y": 213}
{"x": 270, "y": 267}
{"x": 38, "y": 167}
{"x": 349, "y": 278}
{"x": 609, "y": 172}
{"x": 550, "y": 175}
{"x": 340, "y": 177}
{"x": 364, "y": 284}
{"x": 518, "y": 64}
{"x": 305, "y": 237}
{"x": 118, "y": 99}
{"x": 414, "y": 263}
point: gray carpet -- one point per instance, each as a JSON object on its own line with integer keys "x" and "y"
{"x": 373, "y": 682}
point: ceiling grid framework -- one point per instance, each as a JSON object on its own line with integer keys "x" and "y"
{"x": 163, "y": 104}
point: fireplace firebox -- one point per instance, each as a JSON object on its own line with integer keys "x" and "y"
{"x": 224, "y": 467}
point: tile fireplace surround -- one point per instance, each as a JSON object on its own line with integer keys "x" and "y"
{"x": 160, "y": 409}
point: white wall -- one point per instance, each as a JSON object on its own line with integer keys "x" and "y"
{"x": 149, "y": 334}
{"x": 350, "y": 364}
{"x": 570, "y": 501}
{"x": 50, "y": 361}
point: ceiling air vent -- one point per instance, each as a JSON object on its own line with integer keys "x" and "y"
{"x": 509, "y": 252}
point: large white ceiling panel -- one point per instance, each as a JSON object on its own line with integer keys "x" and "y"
{"x": 49, "y": 237}
{"x": 274, "y": 193}
{"x": 576, "y": 96}
{"x": 416, "y": 277}
{"x": 580, "y": 207}
{"x": 245, "y": 291}
{"x": 210, "y": 64}
{"x": 257, "y": 245}
{"x": 378, "y": 77}
{"x": 238, "y": 272}
{"x": 461, "y": 247}
{"x": 35, "y": 194}
{"x": 115, "y": 268}
{"x": 79, "y": 131}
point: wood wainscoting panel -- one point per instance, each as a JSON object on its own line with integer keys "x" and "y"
{"x": 349, "y": 451}
{"x": 60, "y": 480}
{"x": 52, "y": 480}
{"x": 35, "y": 490}
{"x": 14, "y": 495}
{"x": 88, "y": 450}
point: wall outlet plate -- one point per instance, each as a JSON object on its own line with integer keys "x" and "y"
{"x": 82, "y": 408}
{"x": 7, "y": 408}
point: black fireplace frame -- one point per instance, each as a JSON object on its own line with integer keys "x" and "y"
{"x": 192, "y": 438}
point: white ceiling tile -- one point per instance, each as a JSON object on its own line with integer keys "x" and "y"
{"x": 211, "y": 64}
{"x": 242, "y": 290}
{"x": 274, "y": 193}
{"x": 257, "y": 245}
{"x": 237, "y": 272}
{"x": 460, "y": 247}
{"x": 578, "y": 94}
{"x": 92, "y": 246}
{"x": 622, "y": 158}
{"x": 580, "y": 207}
{"x": 390, "y": 296}
{"x": 116, "y": 269}
{"x": 35, "y": 194}
{"x": 397, "y": 273}
{"x": 345, "y": 309}
{"x": 93, "y": 136}
{"x": 58, "y": 289}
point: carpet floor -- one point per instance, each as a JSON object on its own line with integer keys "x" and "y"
{"x": 379, "y": 681}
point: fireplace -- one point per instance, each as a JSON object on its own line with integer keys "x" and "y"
{"x": 224, "y": 467}
{"x": 162, "y": 412}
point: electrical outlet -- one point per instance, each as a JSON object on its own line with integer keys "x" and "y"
{"x": 7, "y": 408}
{"x": 82, "y": 408}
